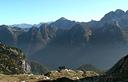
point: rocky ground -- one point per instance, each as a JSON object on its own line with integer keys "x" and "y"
{"x": 20, "y": 78}
{"x": 53, "y": 75}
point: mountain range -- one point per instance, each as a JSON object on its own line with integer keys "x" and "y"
{"x": 71, "y": 43}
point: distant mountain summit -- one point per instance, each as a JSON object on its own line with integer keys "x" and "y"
{"x": 113, "y": 15}
{"x": 22, "y": 25}
{"x": 63, "y": 23}
{"x": 118, "y": 15}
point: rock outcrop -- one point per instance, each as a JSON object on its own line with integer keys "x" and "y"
{"x": 12, "y": 60}
{"x": 71, "y": 74}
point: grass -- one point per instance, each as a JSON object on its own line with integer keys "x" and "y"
{"x": 19, "y": 78}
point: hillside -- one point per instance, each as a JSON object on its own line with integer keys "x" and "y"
{"x": 12, "y": 61}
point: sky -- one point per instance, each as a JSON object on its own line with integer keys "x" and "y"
{"x": 36, "y": 11}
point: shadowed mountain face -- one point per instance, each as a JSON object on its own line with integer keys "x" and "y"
{"x": 71, "y": 43}
{"x": 120, "y": 67}
{"x": 6, "y": 35}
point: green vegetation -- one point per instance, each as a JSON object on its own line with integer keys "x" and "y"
{"x": 11, "y": 60}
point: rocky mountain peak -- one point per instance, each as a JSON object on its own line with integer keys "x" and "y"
{"x": 113, "y": 15}
{"x": 23, "y": 25}
{"x": 119, "y": 11}
{"x": 62, "y": 18}
{"x": 63, "y": 23}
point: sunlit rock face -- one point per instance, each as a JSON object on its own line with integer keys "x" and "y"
{"x": 71, "y": 74}
{"x": 26, "y": 67}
